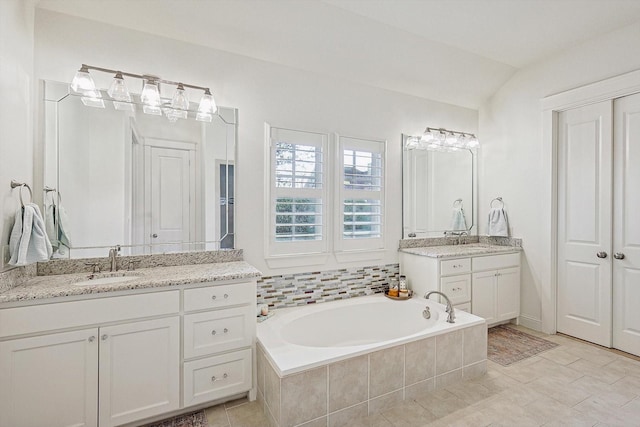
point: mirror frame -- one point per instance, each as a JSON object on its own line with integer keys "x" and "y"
{"x": 473, "y": 230}
{"x": 54, "y": 92}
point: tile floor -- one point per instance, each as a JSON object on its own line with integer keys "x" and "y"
{"x": 574, "y": 384}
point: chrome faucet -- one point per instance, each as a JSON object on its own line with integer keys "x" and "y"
{"x": 452, "y": 316}
{"x": 113, "y": 254}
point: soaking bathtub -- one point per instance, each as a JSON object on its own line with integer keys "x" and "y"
{"x": 331, "y": 363}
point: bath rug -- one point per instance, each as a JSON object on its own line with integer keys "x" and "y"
{"x": 194, "y": 419}
{"x": 507, "y": 345}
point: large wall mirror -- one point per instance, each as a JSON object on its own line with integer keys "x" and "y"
{"x": 141, "y": 181}
{"x": 438, "y": 192}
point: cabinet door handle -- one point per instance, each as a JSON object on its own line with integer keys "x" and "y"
{"x": 92, "y": 338}
{"x": 104, "y": 337}
{"x": 618, "y": 255}
{"x": 214, "y": 378}
{"x": 601, "y": 254}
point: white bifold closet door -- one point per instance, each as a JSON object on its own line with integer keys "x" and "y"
{"x": 626, "y": 225}
{"x": 598, "y": 223}
{"x": 584, "y": 222}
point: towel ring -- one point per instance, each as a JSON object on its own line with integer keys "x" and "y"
{"x": 22, "y": 185}
{"x": 457, "y": 203}
{"x": 499, "y": 199}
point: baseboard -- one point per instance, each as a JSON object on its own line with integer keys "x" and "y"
{"x": 530, "y": 322}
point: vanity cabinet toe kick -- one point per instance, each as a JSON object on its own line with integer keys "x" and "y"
{"x": 485, "y": 285}
{"x": 127, "y": 358}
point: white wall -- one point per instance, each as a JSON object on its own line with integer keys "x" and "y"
{"x": 263, "y": 92}
{"x": 16, "y": 120}
{"x": 516, "y": 165}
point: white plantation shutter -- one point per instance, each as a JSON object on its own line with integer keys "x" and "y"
{"x": 298, "y": 192}
{"x": 360, "y": 194}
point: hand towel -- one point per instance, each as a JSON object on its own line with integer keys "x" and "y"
{"x": 63, "y": 231}
{"x": 458, "y": 221}
{"x": 28, "y": 242}
{"x": 50, "y": 222}
{"x": 498, "y": 223}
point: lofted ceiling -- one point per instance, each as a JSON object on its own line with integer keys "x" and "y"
{"x": 454, "y": 51}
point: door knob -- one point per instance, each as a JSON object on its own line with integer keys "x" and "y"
{"x": 601, "y": 254}
{"x": 618, "y": 255}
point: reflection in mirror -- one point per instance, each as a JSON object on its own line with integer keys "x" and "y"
{"x": 146, "y": 183}
{"x": 437, "y": 191}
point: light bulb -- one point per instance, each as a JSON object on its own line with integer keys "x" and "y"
{"x": 180, "y": 100}
{"x": 118, "y": 89}
{"x": 473, "y": 142}
{"x": 451, "y": 139}
{"x": 82, "y": 81}
{"x": 207, "y": 103}
{"x": 151, "y": 95}
{"x": 427, "y": 137}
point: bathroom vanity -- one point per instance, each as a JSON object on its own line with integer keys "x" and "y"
{"x": 161, "y": 342}
{"x": 481, "y": 279}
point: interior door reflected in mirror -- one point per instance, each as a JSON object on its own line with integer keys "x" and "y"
{"x": 141, "y": 181}
{"x": 438, "y": 191}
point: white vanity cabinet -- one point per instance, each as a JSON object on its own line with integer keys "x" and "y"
{"x": 115, "y": 360}
{"x": 487, "y": 285}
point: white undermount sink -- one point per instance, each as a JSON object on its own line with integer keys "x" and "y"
{"x": 106, "y": 280}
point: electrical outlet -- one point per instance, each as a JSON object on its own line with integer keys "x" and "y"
{"x": 5, "y": 255}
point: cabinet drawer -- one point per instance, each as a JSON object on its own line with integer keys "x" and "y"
{"x": 73, "y": 314}
{"x": 457, "y": 288}
{"x": 219, "y": 296}
{"x": 455, "y": 266}
{"x": 219, "y": 330}
{"x": 217, "y": 377}
{"x": 493, "y": 262}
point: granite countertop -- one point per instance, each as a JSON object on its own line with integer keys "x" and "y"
{"x": 41, "y": 287}
{"x": 460, "y": 250}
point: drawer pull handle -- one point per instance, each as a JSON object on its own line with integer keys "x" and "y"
{"x": 226, "y": 330}
{"x": 213, "y": 297}
{"x": 226, "y": 296}
{"x": 214, "y": 379}
{"x": 213, "y": 332}
{"x": 92, "y": 338}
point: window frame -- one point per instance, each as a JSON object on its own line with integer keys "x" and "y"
{"x": 361, "y": 248}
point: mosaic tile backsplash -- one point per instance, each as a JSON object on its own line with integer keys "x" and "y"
{"x": 290, "y": 290}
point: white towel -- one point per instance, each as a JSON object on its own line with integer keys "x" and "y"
{"x": 458, "y": 221}
{"x": 57, "y": 226}
{"x": 498, "y": 223}
{"x": 28, "y": 242}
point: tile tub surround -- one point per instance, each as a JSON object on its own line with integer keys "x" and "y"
{"x": 337, "y": 393}
{"x": 449, "y": 241}
{"x": 293, "y": 290}
{"x": 42, "y": 287}
{"x": 79, "y": 265}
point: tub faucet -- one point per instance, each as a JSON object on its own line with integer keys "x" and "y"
{"x": 452, "y": 316}
{"x": 113, "y": 253}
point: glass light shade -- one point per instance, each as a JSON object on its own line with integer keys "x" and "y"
{"x": 207, "y": 103}
{"x": 412, "y": 143}
{"x": 451, "y": 139}
{"x": 93, "y": 99}
{"x": 427, "y": 137}
{"x": 473, "y": 142}
{"x": 118, "y": 89}
{"x": 151, "y": 95}
{"x": 204, "y": 117}
{"x": 180, "y": 100}
{"x": 150, "y": 109}
{"x": 438, "y": 136}
{"x": 82, "y": 81}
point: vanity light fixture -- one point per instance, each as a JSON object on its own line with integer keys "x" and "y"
{"x": 176, "y": 108}
{"x": 443, "y": 140}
